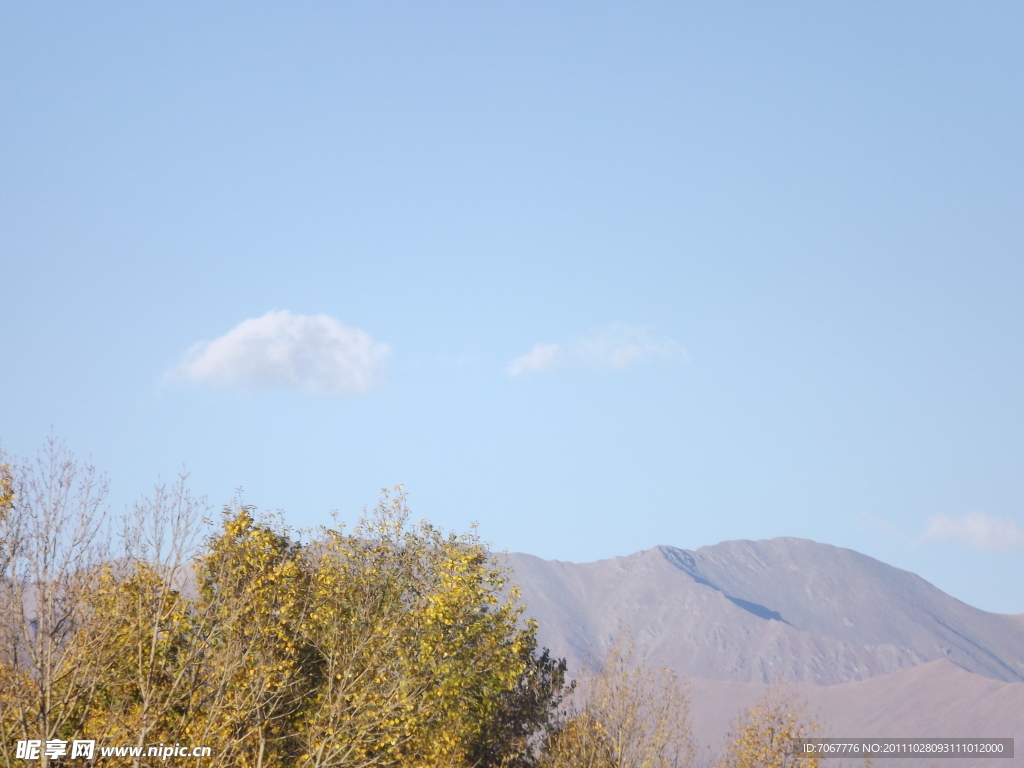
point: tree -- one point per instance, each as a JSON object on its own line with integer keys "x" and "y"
{"x": 6, "y": 487}
{"x": 421, "y": 655}
{"x": 624, "y": 714}
{"x": 54, "y": 536}
{"x": 160, "y": 635}
{"x": 6, "y": 504}
{"x": 253, "y": 592}
{"x": 526, "y": 715}
{"x": 765, "y": 735}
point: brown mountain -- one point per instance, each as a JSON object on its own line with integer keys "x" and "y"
{"x": 761, "y": 611}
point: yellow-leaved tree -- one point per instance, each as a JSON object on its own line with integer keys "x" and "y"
{"x": 624, "y": 713}
{"x": 421, "y": 651}
{"x": 766, "y": 735}
{"x": 253, "y": 594}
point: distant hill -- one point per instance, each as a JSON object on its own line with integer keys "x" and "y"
{"x": 936, "y": 699}
{"x": 761, "y": 611}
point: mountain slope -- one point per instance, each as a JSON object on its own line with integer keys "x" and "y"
{"x": 760, "y": 611}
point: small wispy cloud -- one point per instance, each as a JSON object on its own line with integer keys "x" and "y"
{"x": 620, "y": 346}
{"x": 977, "y": 530}
{"x": 616, "y": 346}
{"x": 543, "y": 357}
{"x": 281, "y": 350}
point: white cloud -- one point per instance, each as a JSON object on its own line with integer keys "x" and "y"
{"x": 977, "y": 530}
{"x": 543, "y": 357}
{"x": 314, "y": 353}
{"x": 617, "y": 347}
{"x": 620, "y": 346}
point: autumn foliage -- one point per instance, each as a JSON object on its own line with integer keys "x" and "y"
{"x": 392, "y": 644}
{"x": 763, "y": 737}
{"x": 624, "y": 713}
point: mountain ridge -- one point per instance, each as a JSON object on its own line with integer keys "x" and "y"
{"x": 782, "y": 609}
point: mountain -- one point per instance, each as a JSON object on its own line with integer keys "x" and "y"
{"x": 765, "y": 611}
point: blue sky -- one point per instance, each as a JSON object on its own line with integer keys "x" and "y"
{"x": 597, "y": 276}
